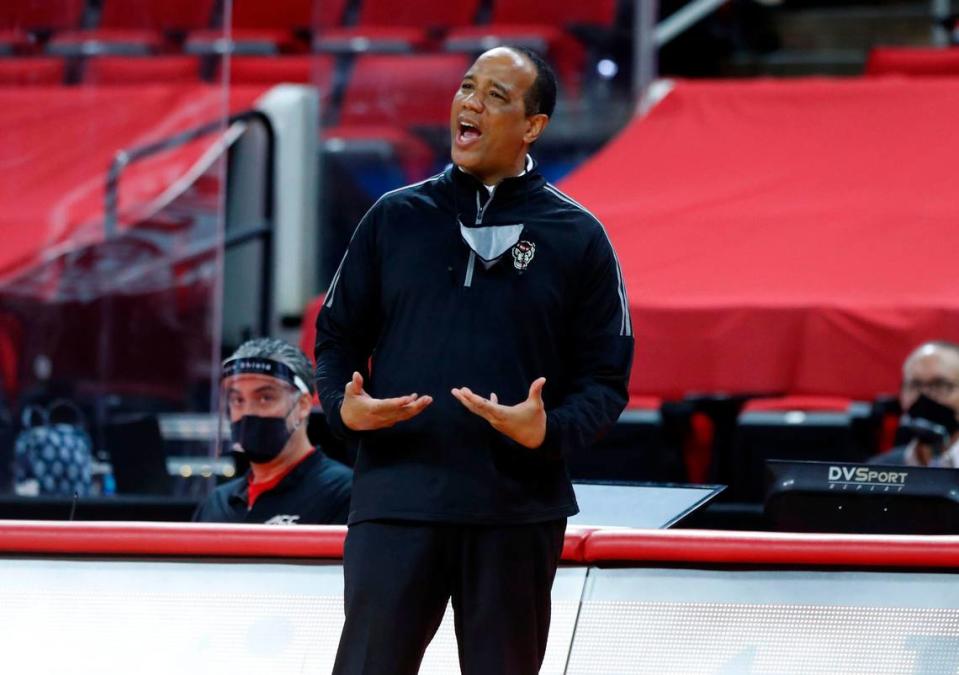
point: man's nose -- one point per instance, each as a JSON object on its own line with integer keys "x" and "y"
{"x": 473, "y": 102}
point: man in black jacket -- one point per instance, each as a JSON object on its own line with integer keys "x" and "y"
{"x": 476, "y": 332}
{"x": 268, "y": 394}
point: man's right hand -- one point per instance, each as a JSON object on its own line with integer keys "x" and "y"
{"x": 362, "y": 412}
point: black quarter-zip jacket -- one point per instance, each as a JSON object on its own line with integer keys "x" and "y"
{"x": 415, "y": 310}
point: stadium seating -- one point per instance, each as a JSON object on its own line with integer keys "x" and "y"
{"x": 697, "y": 434}
{"x": 794, "y": 428}
{"x": 137, "y": 28}
{"x": 270, "y": 27}
{"x": 131, "y": 70}
{"x": 542, "y": 26}
{"x": 563, "y": 13}
{"x": 637, "y": 448}
{"x": 39, "y": 71}
{"x": 11, "y": 338}
{"x": 24, "y": 24}
{"x": 388, "y": 97}
{"x": 301, "y": 69}
{"x": 392, "y": 144}
{"x": 886, "y": 412}
{"x": 913, "y": 61}
{"x": 318, "y": 70}
{"x": 411, "y": 90}
{"x": 566, "y": 53}
{"x": 386, "y": 26}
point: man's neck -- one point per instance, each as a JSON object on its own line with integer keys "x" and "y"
{"x": 490, "y": 182}
{"x": 298, "y": 448}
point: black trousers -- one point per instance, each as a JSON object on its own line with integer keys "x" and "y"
{"x": 400, "y": 575}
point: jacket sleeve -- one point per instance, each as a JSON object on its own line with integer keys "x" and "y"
{"x": 348, "y": 323}
{"x": 600, "y": 355}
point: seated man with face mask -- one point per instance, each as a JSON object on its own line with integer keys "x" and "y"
{"x": 267, "y": 386}
{"x": 930, "y": 403}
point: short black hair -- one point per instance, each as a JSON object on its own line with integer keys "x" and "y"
{"x": 541, "y": 95}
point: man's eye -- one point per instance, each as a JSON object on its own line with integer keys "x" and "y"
{"x": 498, "y": 95}
{"x": 466, "y": 85}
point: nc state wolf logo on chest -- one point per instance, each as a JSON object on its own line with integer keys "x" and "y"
{"x": 523, "y": 254}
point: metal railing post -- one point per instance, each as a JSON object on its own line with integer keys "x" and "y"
{"x": 645, "y": 49}
{"x": 680, "y": 20}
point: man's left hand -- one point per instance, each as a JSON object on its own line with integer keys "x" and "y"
{"x": 524, "y": 422}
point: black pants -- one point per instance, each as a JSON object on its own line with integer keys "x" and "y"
{"x": 400, "y": 575}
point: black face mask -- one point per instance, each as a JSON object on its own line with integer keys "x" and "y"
{"x": 930, "y": 422}
{"x": 262, "y": 438}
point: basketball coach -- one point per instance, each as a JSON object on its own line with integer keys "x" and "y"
{"x": 476, "y": 332}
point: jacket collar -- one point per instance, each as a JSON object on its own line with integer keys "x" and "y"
{"x": 467, "y": 186}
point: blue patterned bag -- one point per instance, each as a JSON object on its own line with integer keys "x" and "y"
{"x": 52, "y": 458}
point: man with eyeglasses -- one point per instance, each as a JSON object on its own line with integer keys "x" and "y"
{"x": 930, "y": 380}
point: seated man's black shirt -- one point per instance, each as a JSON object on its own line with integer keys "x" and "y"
{"x": 315, "y": 492}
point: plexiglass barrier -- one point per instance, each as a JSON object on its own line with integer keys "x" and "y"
{"x": 114, "y": 144}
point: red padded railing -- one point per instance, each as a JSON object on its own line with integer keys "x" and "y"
{"x": 166, "y": 539}
{"x": 771, "y": 548}
{"x": 582, "y": 545}
{"x": 196, "y": 539}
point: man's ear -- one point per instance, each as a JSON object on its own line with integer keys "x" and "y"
{"x": 535, "y": 126}
{"x": 305, "y": 405}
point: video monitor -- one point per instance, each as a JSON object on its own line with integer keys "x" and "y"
{"x": 861, "y": 498}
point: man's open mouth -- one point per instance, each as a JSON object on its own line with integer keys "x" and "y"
{"x": 468, "y": 132}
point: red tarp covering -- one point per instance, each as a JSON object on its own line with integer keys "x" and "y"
{"x": 58, "y": 143}
{"x": 796, "y": 236}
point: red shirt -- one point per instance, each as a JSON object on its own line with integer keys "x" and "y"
{"x": 254, "y": 490}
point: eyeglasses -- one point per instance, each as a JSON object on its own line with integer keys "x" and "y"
{"x": 937, "y": 388}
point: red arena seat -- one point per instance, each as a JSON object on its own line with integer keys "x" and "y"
{"x": 270, "y": 27}
{"x": 386, "y": 26}
{"x": 13, "y": 41}
{"x": 395, "y": 144}
{"x": 23, "y": 23}
{"x": 405, "y": 90}
{"x": 137, "y": 28}
{"x": 11, "y": 342}
{"x": 823, "y": 428}
{"x": 799, "y": 403}
{"x": 31, "y": 71}
{"x": 424, "y": 13}
{"x": 565, "y": 13}
{"x": 540, "y": 25}
{"x": 317, "y": 70}
{"x": 273, "y": 70}
{"x": 565, "y": 52}
{"x": 47, "y": 15}
{"x": 115, "y": 70}
{"x": 382, "y": 39}
{"x": 913, "y": 61}
{"x": 637, "y": 448}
